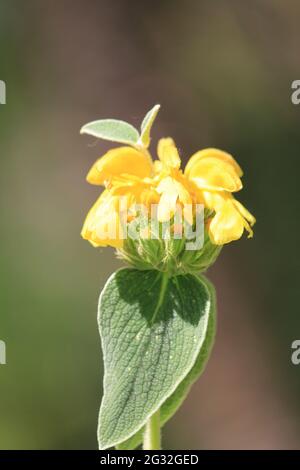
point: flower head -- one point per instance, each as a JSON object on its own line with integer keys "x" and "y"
{"x": 129, "y": 174}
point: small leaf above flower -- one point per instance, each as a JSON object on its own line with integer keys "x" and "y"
{"x": 147, "y": 125}
{"x": 112, "y": 129}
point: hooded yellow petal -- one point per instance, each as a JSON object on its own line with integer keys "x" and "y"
{"x": 168, "y": 153}
{"x": 118, "y": 161}
{"x": 215, "y": 153}
{"x": 102, "y": 226}
{"x": 215, "y": 175}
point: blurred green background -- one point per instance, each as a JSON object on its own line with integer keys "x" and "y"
{"x": 222, "y": 72}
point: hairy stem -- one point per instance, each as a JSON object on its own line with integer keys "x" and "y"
{"x": 152, "y": 433}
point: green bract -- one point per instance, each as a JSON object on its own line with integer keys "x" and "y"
{"x": 156, "y": 333}
{"x": 169, "y": 255}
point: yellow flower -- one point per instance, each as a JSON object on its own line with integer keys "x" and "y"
{"x": 214, "y": 170}
{"x": 123, "y": 171}
{"x": 103, "y": 226}
{"x": 230, "y": 219}
{"x": 210, "y": 177}
{"x": 172, "y": 186}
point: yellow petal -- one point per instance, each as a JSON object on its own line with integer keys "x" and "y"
{"x": 244, "y": 212}
{"x": 136, "y": 190}
{"x": 102, "y": 226}
{"x": 227, "y": 225}
{"x": 168, "y": 199}
{"x": 166, "y": 206}
{"x": 172, "y": 192}
{"x": 214, "y": 200}
{"x": 158, "y": 166}
{"x": 118, "y": 161}
{"x": 215, "y": 153}
{"x": 168, "y": 153}
{"x": 215, "y": 175}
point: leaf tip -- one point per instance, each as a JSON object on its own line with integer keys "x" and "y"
{"x": 82, "y": 130}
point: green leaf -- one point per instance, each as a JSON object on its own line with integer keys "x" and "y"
{"x": 147, "y": 125}
{"x": 112, "y": 129}
{"x": 152, "y": 330}
{"x": 171, "y": 405}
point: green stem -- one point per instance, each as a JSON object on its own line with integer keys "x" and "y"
{"x": 152, "y": 433}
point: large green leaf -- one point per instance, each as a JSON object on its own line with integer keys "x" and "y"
{"x": 152, "y": 330}
{"x": 112, "y": 129}
{"x": 171, "y": 405}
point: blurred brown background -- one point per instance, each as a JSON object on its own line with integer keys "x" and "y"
{"x": 222, "y": 72}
